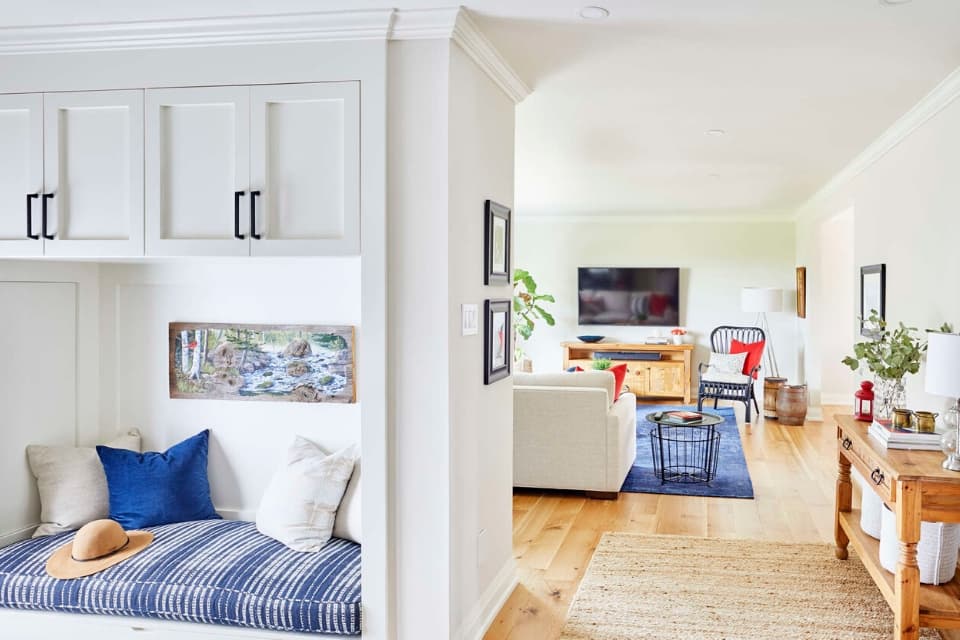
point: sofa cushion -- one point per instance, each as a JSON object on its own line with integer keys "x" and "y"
{"x": 588, "y": 379}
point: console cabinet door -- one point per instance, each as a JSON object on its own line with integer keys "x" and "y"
{"x": 197, "y": 158}
{"x": 666, "y": 379}
{"x": 305, "y": 162}
{"x": 93, "y": 167}
{"x": 21, "y": 172}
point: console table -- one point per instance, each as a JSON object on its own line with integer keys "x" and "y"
{"x": 916, "y": 488}
{"x": 668, "y": 377}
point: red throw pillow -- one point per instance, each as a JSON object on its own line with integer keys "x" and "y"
{"x": 619, "y": 374}
{"x": 754, "y": 351}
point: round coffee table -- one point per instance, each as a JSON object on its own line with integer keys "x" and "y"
{"x": 685, "y": 451}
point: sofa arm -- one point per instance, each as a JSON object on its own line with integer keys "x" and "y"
{"x": 621, "y": 439}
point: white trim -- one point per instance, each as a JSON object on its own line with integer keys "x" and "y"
{"x": 651, "y": 217}
{"x": 237, "y": 30}
{"x": 425, "y": 24}
{"x": 481, "y": 51}
{"x": 930, "y": 105}
{"x": 16, "y": 535}
{"x": 488, "y": 605}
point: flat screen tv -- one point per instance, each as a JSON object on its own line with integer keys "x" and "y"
{"x": 629, "y": 296}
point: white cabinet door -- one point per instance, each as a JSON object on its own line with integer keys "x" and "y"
{"x": 305, "y": 162}
{"x": 93, "y": 173}
{"x": 38, "y": 387}
{"x": 197, "y": 161}
{"x": 21, "y": 173}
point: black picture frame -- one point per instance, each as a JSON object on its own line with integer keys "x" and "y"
{"x": 497, "y": 238}
{"x": 497, "y": 316}
{"x": 873, "y": 289}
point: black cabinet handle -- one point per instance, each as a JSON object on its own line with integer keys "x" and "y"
{"x": 847, "y": 443}
{"x": 253, "y": 215}
{"x": 236, "y": 215}
{"x": 43, "y": 216}
{"x": 877, "y": 476}
{"x": 30, "y": 234}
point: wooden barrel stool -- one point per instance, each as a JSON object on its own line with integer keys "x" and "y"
{"x": 770, "y": 388}
{"x": 792, "y": 404}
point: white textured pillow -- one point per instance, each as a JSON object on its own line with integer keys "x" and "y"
{"x": 726, "y": 367}
{"x": 348, "y": 522}
{"x": 300, "y": 504}
{"x": 72, "y": 485}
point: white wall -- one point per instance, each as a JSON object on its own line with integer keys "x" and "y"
{"x": 716, "y": 260}
{"x": 907, "y": 215}
{"x": 248, "y": 439}
{"x": 481, "y": 152}
{"x": 837, "y": 284}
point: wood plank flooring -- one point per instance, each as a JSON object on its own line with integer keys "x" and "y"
{"x": 555, "y": 533}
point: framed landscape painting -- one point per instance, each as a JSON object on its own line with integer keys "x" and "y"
{"x": 496, "y": 341}
{"x": 291, "y": 363}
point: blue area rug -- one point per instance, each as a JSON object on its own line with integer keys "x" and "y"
{"x": 732, "y": 479}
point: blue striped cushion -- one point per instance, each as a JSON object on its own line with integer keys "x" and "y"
{"x": 212, "y": 571}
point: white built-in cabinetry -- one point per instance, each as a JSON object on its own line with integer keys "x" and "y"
{"x": 207, "y": 171}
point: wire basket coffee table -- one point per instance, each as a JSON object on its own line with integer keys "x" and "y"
{"x": 685, "y": 452}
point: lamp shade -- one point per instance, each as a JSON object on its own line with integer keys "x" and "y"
{"x": 943, "y": 364}
{"x": 761, "y": 299}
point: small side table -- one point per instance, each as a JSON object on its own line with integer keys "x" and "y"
{"x": 685, "y": 452}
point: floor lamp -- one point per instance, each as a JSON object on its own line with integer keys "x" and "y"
{"x": 764, "y": 300}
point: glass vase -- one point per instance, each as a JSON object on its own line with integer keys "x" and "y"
{"x": 890, "y": 394}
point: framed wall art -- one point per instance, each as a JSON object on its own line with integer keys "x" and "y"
{"x": 496, "y": 340}
{"x": 496, "y": 244}
{"x": 801, "y": 292}
{"x": 873, "y": 293}
{"x": 291, "y": 363}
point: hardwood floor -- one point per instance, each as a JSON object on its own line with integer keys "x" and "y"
{"x": 555, "y": 533}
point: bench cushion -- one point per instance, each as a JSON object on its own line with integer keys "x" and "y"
{"x": 208, "y": 571}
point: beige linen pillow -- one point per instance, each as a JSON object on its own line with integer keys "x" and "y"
{"x": 300, "y": 504}
{"x": 72, "y": 485}
{"x": 347, "y": 524}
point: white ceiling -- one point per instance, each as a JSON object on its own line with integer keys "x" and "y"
{"x": 616, "y": 123}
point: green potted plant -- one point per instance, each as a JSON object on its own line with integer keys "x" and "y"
{"x": 527, "y": 311}
{"x": 890, "y": 356}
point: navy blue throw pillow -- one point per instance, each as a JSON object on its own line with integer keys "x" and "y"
{"x": 152, "y": 488}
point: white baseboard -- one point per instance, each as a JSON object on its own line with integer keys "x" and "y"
{"x": 16, "y": 535}
{"x": 815, "y": 414}
{"x": 249, "y": 515}
{"x": 492, "y": 599}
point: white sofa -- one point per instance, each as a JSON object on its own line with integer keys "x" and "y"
{"x": 569, "y": 434}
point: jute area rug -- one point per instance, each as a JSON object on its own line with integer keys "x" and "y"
{"x": 640, "y": 586}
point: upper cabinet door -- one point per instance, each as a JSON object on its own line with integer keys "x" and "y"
{"x": 21, "y": 173}
{"x": 197, "y": 162}
{"x": 305, "y": 162}
{"x": 93, "y": 174}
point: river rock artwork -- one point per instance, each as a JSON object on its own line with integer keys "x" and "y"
{"x": 293, "y": 363}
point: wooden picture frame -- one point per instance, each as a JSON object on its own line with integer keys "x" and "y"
{"x": 497, "y": 239}
{"x": 497, "y": 336}
{"x": 873, "y": 294}
{"x": 801, "y": 292}
{"x": 285, "y": 363}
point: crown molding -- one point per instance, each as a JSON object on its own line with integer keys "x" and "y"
{"x": 651, "y": 217}
{"x": 237, "y": 30}
{"x": 929, "y": 106}
{"x": 476, "y": 45}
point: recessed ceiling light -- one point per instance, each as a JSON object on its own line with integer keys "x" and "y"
{"x": 893, "y": 3}
{"x": 594, "y": 13}
{"x": 716, "y": 133}
{"x": 714, "y": 175}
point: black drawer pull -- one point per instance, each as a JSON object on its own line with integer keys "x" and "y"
{"x": 236, "y": 215}
{"x": 30, "y": 234}
{"x": 847, "y": 443}
{"x": 877, "y": 476}
{"x": 43, "y": 216}
{"x": 253, "y": 215}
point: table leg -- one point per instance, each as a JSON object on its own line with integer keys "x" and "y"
{"x": 906, "y": 613}
{"x": 844, "y": 503}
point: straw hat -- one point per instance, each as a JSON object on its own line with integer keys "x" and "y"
{"x": 98, "y": 545}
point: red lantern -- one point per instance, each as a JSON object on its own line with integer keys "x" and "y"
{"x": 863, "y": 403}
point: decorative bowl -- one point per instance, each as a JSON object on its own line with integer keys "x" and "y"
{"x": 590, "y": 339}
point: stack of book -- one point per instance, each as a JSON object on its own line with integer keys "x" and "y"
{"x": 682, "y": 417}
{"x": 893, "y": 438}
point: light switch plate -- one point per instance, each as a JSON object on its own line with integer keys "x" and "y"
{"x": 470, "y": 316}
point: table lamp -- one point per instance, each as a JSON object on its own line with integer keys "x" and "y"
{"x": 943, "y": 379}
{"x": 763, "y": 300}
